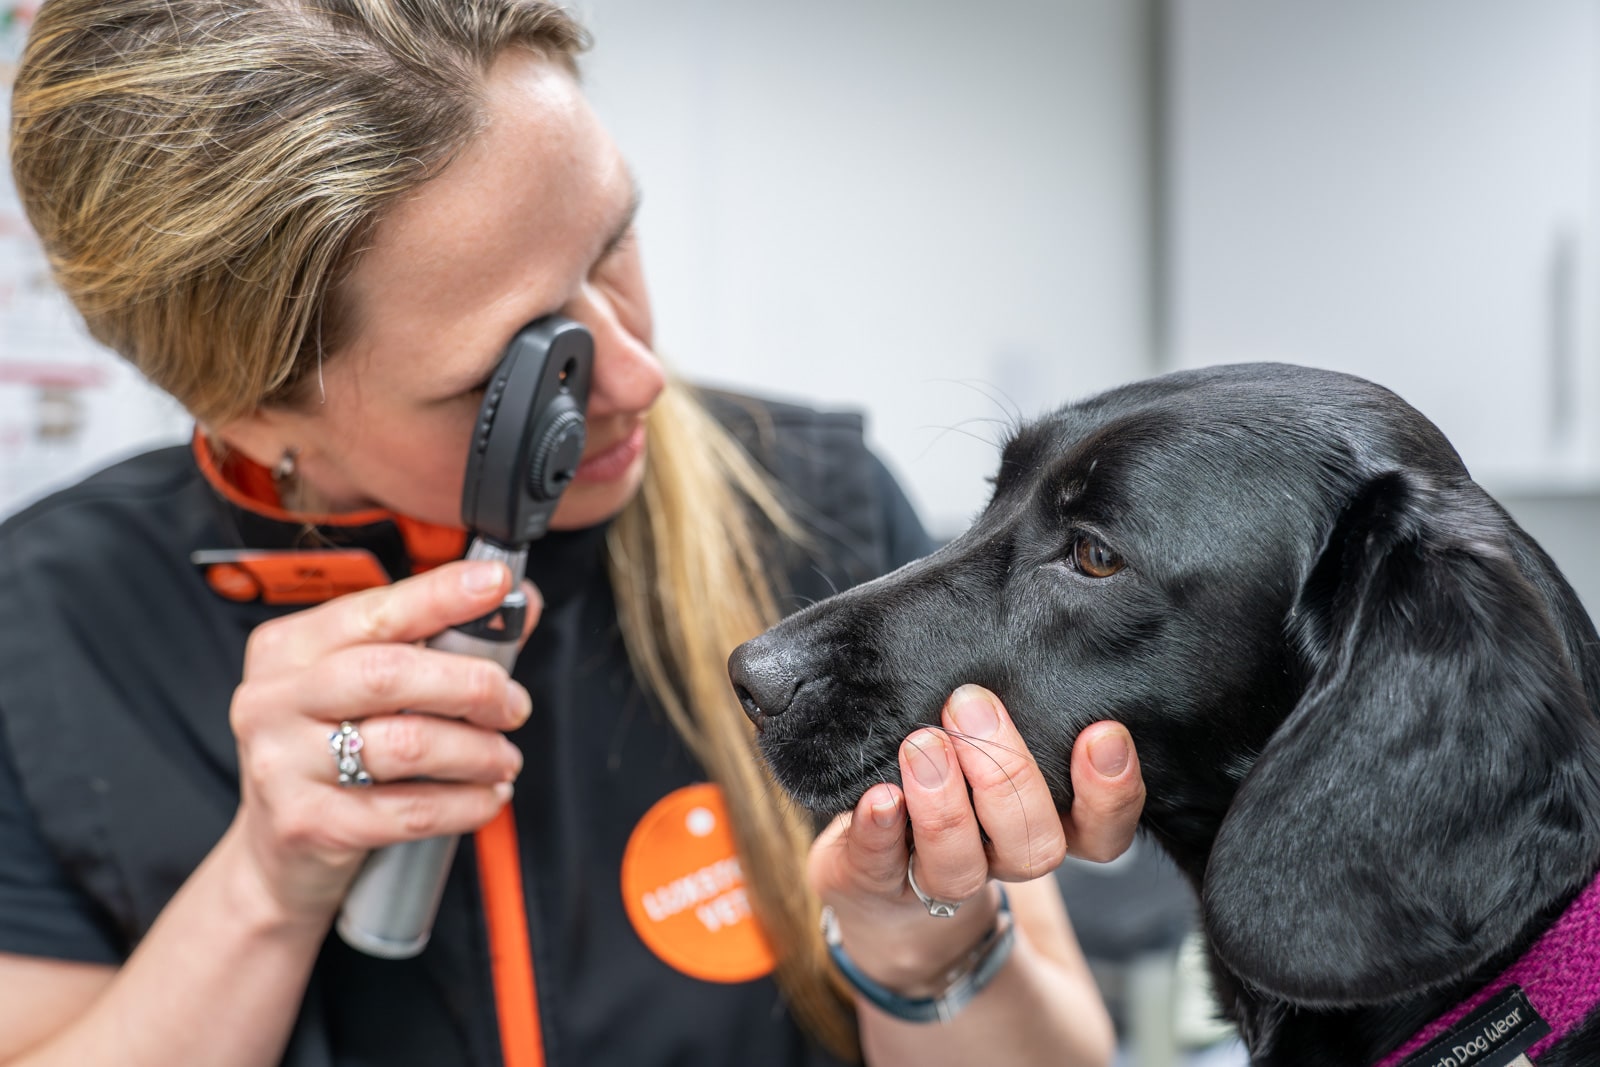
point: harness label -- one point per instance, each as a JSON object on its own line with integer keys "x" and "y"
{"x": 684, "y": 890}
{"x": 1495, "y": 1035}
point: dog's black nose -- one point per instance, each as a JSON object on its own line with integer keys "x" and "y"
{"x": 764, "y": 677}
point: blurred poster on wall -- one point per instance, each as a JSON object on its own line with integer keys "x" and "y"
{"x": 67, "y": 405}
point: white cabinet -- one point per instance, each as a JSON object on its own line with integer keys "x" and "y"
{"x": 1405, "y": 190}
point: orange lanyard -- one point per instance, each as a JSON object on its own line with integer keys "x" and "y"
{"x": 511, "y": 958}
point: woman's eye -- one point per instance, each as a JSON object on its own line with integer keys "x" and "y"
{"x": 1094, "y": 558}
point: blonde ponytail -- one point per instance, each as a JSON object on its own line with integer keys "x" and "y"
{"x": 692, "y": 530}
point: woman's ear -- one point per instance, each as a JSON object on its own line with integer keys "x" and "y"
{"x": 1435, "y": 788}
{"x": 264, "y": 436}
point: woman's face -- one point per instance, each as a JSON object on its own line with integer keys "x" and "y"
{"x": 534, "y": 217}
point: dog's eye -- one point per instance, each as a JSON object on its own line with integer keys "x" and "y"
{"x": 1094, "y": 558}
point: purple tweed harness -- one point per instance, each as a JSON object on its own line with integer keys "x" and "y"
{"x": 1528, "y": 1008}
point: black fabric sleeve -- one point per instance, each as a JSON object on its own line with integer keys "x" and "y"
{"x": 905, "y": 537}
{"x": 41, "y": 912}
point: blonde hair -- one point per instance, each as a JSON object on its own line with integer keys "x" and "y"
{"x": 200, "y": 176}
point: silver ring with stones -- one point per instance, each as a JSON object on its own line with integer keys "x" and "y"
{"x": 939, "y": 909}
{"x": 346, "y": 744}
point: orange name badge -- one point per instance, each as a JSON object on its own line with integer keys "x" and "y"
{"x": 289, "y": 576}
{"x": 684, "y": 890}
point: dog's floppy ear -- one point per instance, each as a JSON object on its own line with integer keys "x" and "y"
{"x": 1435, "y": 786}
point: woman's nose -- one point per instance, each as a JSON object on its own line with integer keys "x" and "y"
{"x": 627, "y": 376}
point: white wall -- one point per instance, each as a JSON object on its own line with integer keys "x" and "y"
{"x": 1405, "y": 190}
{"x": 935, "y": 210}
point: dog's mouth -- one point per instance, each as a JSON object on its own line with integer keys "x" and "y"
{"x": 824, "y": 745}
{"x": 824, "y": 765}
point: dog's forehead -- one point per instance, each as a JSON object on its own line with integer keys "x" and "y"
{"x": 1222, "y": 449}
{"x": 1170, "y": 442}
{"x": 1165, "y": 472}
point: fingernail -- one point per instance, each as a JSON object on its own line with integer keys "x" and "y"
{"x": 503, "y": 790}
{"x": 1108, "y": 753}
{"x": 886, "y": 809}
{"x": 974, "y": 713}
{"x": 516, "y": 755}
{"x": 928, "y": 762}
{"x": 482, "y": 577}
{"x": 520, "y": 702}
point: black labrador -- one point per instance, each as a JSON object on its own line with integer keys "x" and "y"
{"x": 1366, "y": 703}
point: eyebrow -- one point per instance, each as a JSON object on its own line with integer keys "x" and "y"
{"x": 618, "y": 234}
{"x": 625, "y": 225}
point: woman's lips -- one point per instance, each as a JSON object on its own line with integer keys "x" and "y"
{"x": 614, "y": 460}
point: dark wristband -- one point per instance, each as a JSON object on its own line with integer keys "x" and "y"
{"x": 963, "y": 981}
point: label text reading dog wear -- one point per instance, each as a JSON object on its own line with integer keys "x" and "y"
{"x": 1496, "y": 1035}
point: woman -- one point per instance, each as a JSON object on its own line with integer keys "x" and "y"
{"x": 317, "y": 224}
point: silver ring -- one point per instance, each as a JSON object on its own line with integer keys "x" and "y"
{"x": 939, "y": 909}
{"x": 346, "y": 744}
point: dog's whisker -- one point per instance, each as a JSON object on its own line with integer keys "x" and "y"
{"x": 1016, "y": 790}
{"x": 827, "y": 578}
{"x": 943, "y": 430}
{"x": 976, "y": 741}
{"x": 992, "y": 393}
{"x": 975, "y": 420}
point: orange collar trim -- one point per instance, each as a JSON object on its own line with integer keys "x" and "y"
{"x": 249, "y": 486}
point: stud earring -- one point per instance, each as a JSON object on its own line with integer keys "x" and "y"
{"x": 288, "y": 465}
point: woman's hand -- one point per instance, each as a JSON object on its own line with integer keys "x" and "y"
{"x": 357, "y": 658}
{"x": 859, "y": 864}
